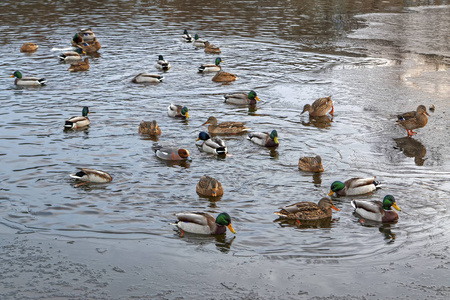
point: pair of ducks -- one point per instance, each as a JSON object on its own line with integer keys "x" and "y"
{"x": 220, "y": 76}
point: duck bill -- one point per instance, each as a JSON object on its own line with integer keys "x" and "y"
{"x": 205, "y": 123}
{"x": 187, "y": 115}
{"x": 231, "y": 228}
{"x": 197, "y": 139}
{"x": 335, "y": 208}
{"x": 330, "y": 193}
{"x": 257, "y": 98}
{"x": 276, "y": 140}
{"x": 396, "y": 206}
{"x": 12, "y": 76}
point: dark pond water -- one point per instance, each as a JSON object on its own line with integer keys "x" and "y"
{"x": 375, "y": 60}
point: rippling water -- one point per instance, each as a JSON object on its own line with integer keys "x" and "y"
{"x": 386, "y": 60}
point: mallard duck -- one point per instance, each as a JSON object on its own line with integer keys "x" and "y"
{"x": 91, "y": 175}
{"x": 198, "y": 42}
{"x": 79, "y": 65}
{"x": 77, "y": 40}
{"x": 186, "y": 37}
{"x": 224, "y": 77}
{"x": 241, "y": 98}
{"x": 147, "y": 78}
{"x": 320, "y": 107}
{"x": 377, "y": 210}
{"x": 162, "y": 64}
{"x": 87, "y": 34}
{"x": 225, "y": 127}
{"x": 77, "y": 122}
{"x": 27, "y": 81}
{"x": 312, "y": 164}
{"x": 211, "y": 48}
{"x": 413, "y": 120}
{"x": 29, "y": 47}
{"x": 354, "y": 186}
{"x": 72, "y": 56}
{"x": 210, "y": 187}
{"x": 150, "y": 128}
{"x": 308, "y": 210}
{"x": 171, "y": 153}
{"x": 264, "y": 138}
{"x": 213, "y": 145}
{"x": 90, "y": 47}
{"x": 204, "y": 223}
{"x": 178, "y": 111}
{"x": 211, "y": 67}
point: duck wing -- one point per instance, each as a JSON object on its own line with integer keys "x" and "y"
{"x": 200, "y": 218}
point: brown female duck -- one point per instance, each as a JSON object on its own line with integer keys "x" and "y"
{"x": 79, "y": 66}
{"x": 211, "y": 48}
{"x": 210, "y": 187}
{"x": 29, "y": 47}
{"x": 224, "y": 77}
{"x": 320, "y": 107}
{"x": 308, "y": 210}
{"x": 312, "y": 164}
{"x": 224, "y": 127}
{"x": 413, "y": 119}
{"x": 150, "y": 128}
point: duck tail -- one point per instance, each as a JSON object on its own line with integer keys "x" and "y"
{"x": 42, "y": 81}
{"x": 68, "y": 124}
{"x": 156, "y": 147}
{"x": 201, "y": 69}
{"x": 353, "y": 203}
{"x": 377, "y": 184}
{"x": 62, "y": 56}
{"x": 221, "y": 150}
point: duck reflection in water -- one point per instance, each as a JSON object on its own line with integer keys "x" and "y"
{"x": 322, "y": 223}
{"x": 412, "y": 148}
{"x": 222, "y": 241}
{"x": 319, "y": 122}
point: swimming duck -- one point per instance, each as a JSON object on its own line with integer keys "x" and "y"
{"x": 213, "y": 145}
{"x": 162, "y": 64}
{"x": 204, "y": 223}
{"x": 264, "y": 138}
{"x": 91, "y": 175}
{"x": 27, "y": 81}
{"x": 354, "y": 186}
{"x": 91, "y": 47}
{"x": 320, "y": 107}
{"x": 224, "y": 77}
{"x": 150, "y": 128}
{"x": 79, "y": 65}
{"x": 413, "y": 120}
{"x": 186, "y": 37}
{"x": 77, "y": 122}
{"x": 210, "y": 187}
{"x": 241, "y": 98}
{"x": 308, "y": 210}
{"x": 178, "y": 111}
{"x": 29, "y": 47}
{"x": 147, "y": 78}
{"x": 77, "y": 40}
{"x": 210, "y": 67}
{"x": 377, "y": 210}
{"x": 224, "y": 127}
{"x": 72, "y": 56}
{"x": 211, "y": 48}
{"x": 312, "y": 164}
{"x": 87, "y": 35}
{"x": 171, "y": 153}
{"x": 198, "y": 42}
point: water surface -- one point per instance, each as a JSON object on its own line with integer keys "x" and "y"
{"x": 374, "y": 60}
